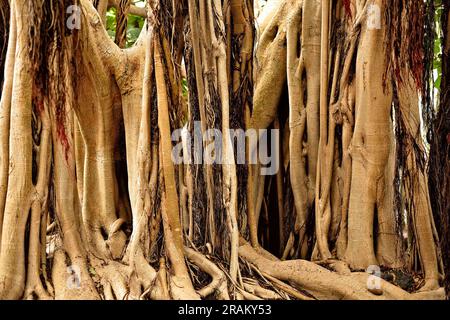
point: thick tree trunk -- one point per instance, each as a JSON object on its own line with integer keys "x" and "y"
{"x": 90, "y": 191}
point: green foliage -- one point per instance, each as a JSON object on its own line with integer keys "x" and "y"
{"x": 135, "y": 25}
{"x": 184, "y": 87}
{"x": 438, "y": 42}
{"x": 111, "y": 22}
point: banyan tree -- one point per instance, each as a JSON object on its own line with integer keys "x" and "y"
{"x": 340, "y": 93}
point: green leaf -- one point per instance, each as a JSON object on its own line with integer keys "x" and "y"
{"x": 111, "y": 19}
{"x": 132, "y": 36}
{"x": 184, "y": 87}
{"x": 437, "y": 83}
{"x": 112, "y": 34}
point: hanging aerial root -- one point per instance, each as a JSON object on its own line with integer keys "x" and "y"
{"x": 38, "y": 209}
{"x": 123, "y": 8}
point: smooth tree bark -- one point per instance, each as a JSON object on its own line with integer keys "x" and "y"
{"x": 93, "y": 204}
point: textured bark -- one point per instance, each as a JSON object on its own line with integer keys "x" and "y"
{"x": 90, "y": 193}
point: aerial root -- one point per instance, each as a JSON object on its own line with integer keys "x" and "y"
{"x": 71, "y": 282}
{"x": 218, "y": 285}
{"x": 318, "y": 281}
{"x": 261, "y": 292}
{"x": 119, "y": 278}
{"x": 321, "y": 283}
{"x": 289, "y": 290}
{"x": 35, "y": 290}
